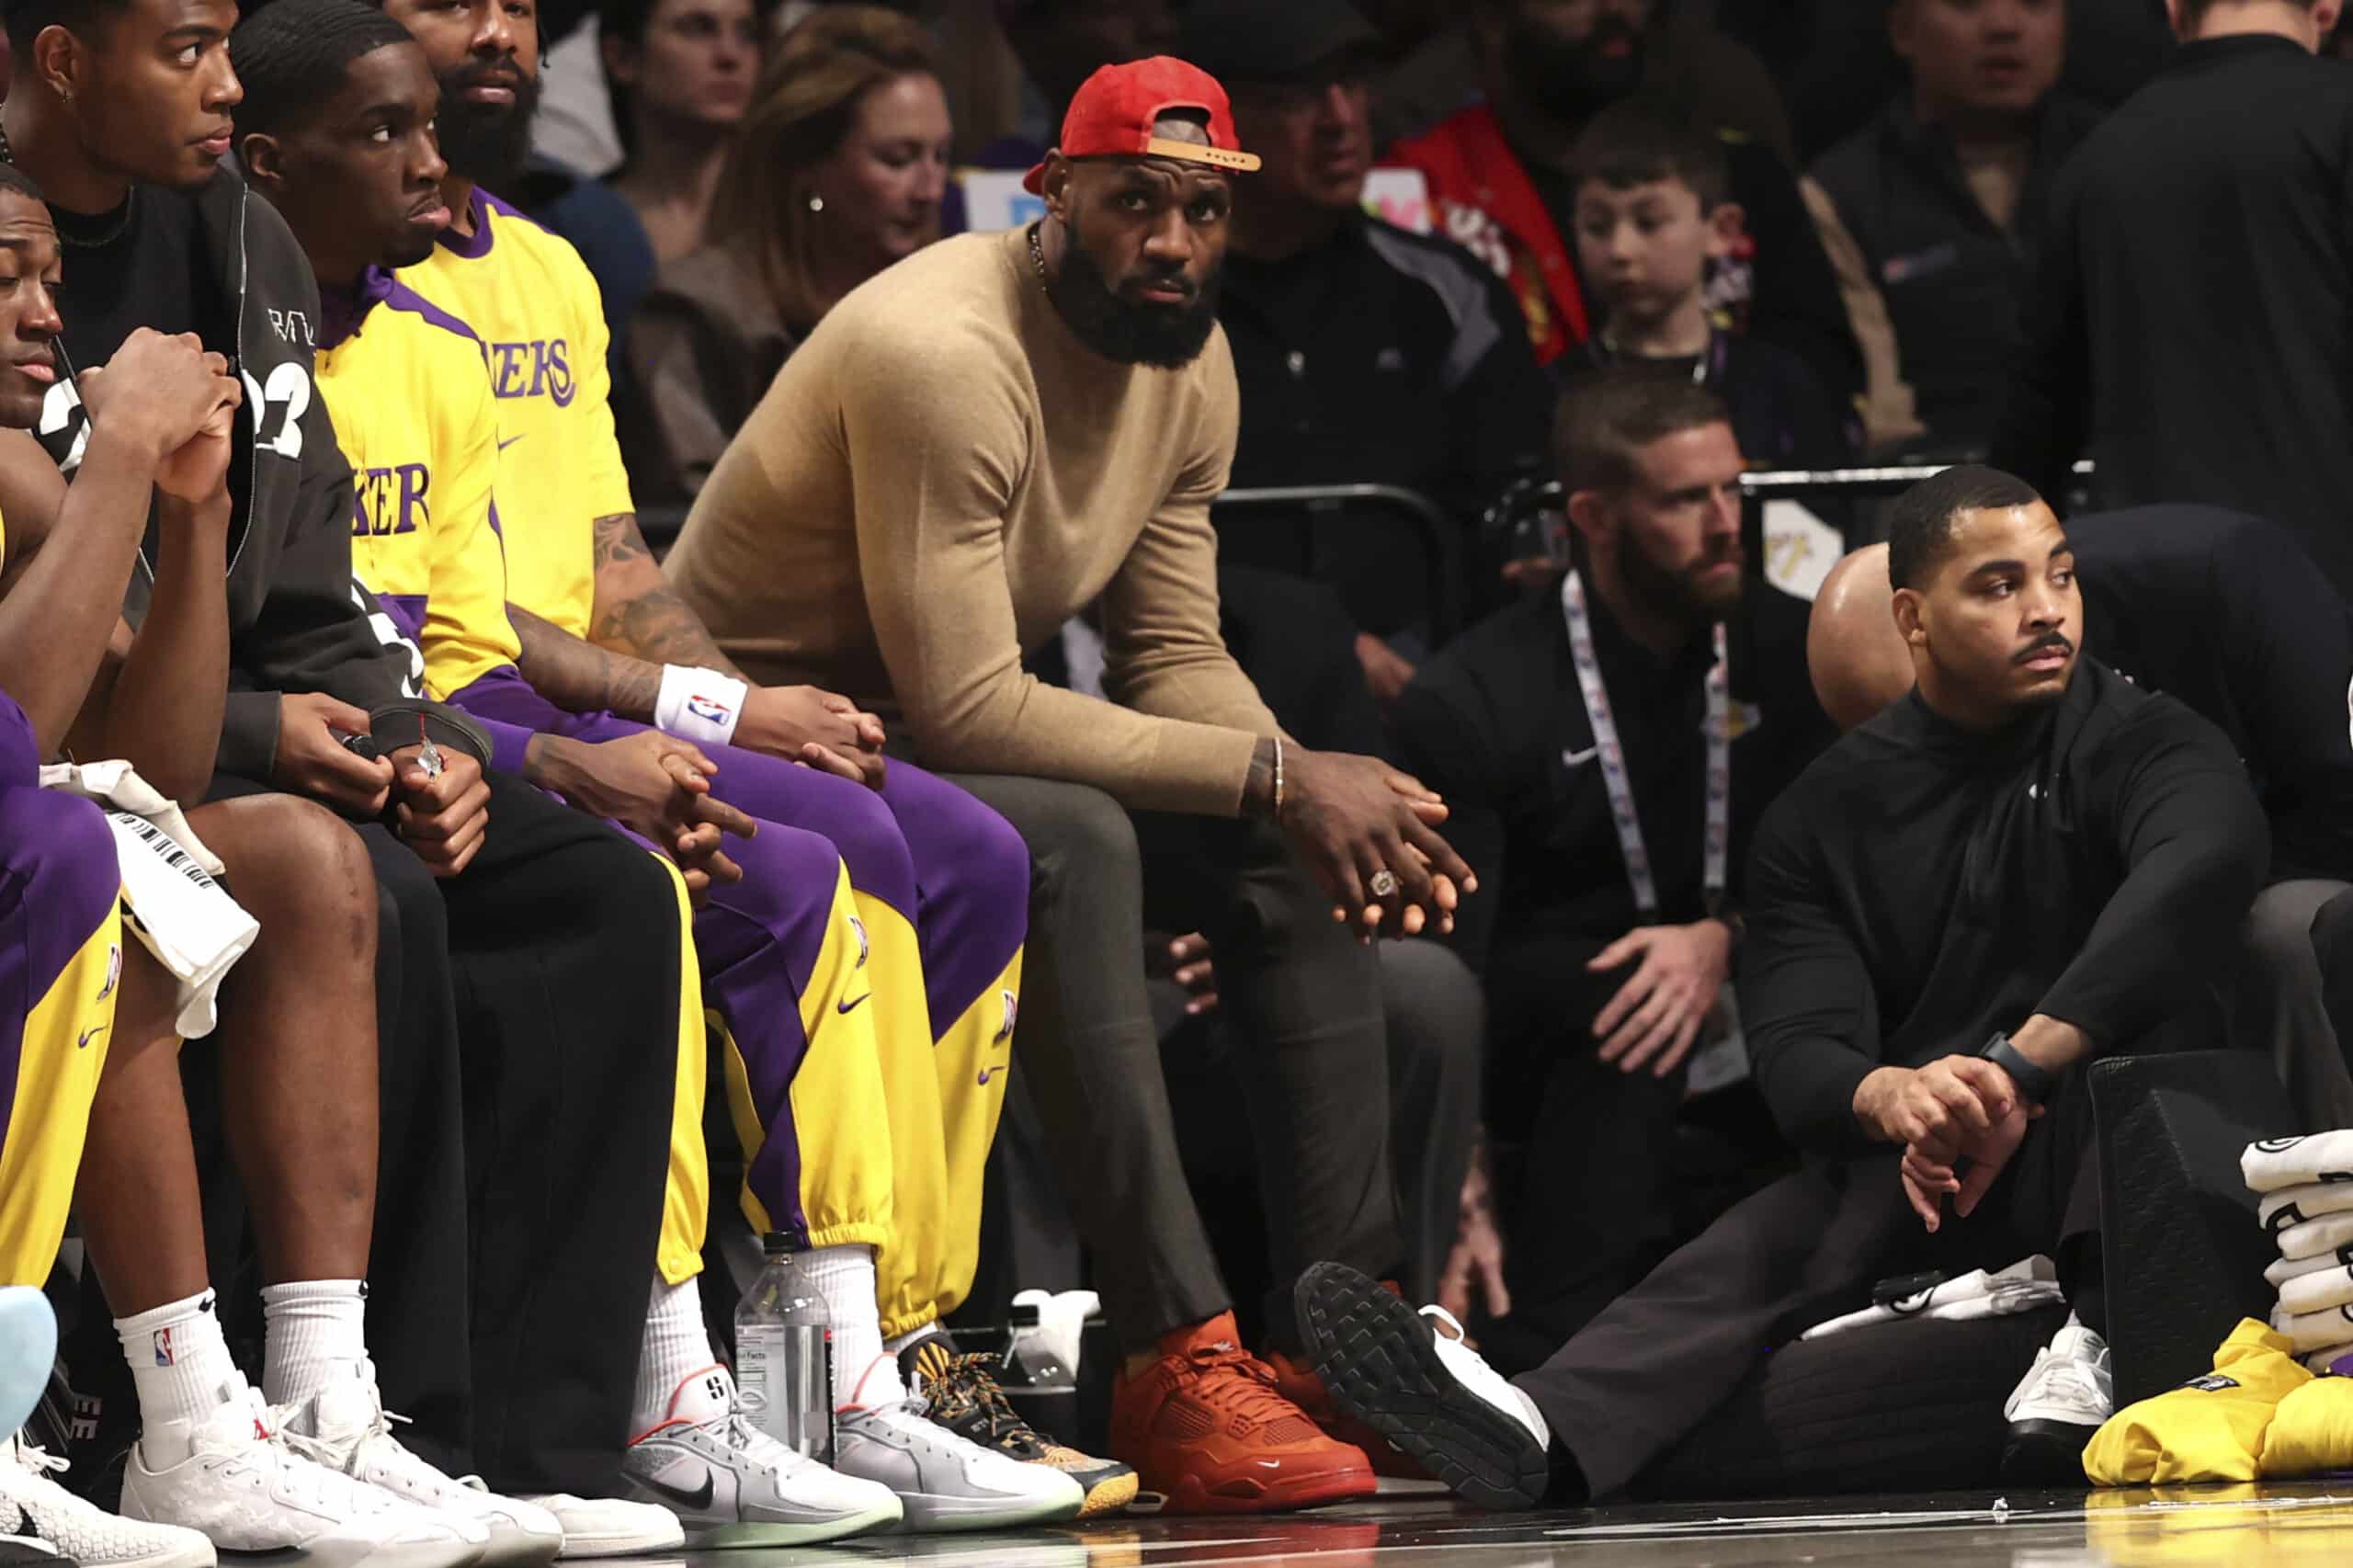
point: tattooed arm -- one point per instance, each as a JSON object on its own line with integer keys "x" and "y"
{"x": 578, "y": 675}
{"x": 636, "y": 611}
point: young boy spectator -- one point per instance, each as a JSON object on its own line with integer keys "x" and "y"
{"x": 1653, "y": 210}
{"x": 1502, "y": 181}
{"x": 1365, "y": 353}
{"x": 1946, "y": 189}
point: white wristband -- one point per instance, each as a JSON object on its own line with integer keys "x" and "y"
{"x": 698, "y": 704}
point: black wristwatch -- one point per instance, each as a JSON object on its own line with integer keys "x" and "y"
{"x": 2035, "y": 1083}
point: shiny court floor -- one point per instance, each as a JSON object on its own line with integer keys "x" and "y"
{"x": 2174, "y": 1527}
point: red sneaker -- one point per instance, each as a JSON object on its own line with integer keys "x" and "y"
{"x": 1205, "y": 1427}
{"x": 1297, "y": 1381}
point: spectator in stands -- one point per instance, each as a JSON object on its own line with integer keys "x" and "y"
{"x": 972, "y": 448}
{"x": 1654, "y": 208}
{"x": 936, "y": 878}
{"x": 162, "y": 236}
{"x": 1612, "y": 890}
{"x": 2191, "y": 323}
{"x": 1365, "y": 353}
{"x": 682, "y": 73}
{"x": 1923, "y": 887}
{"x": 298, "y": 1077}
{"x": 838, "y": 174}
{"x": 2268, "y": 663}
{"x": 1946, "y": 192}
{"x": 1502, "y": 180}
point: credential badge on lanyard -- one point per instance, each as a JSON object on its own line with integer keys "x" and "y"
{"x": 1614, "y": 776}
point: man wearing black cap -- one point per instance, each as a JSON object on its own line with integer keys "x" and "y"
{"x": 971, "y": 448}
{"x": 1366, "y": 355}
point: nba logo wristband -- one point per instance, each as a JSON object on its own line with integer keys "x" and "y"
{"x": 698, "y": 704}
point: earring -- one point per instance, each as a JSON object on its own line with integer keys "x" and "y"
{"x": 817, "y": 203}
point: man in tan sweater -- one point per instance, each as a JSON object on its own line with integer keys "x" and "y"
{"x": 970, "y": 449}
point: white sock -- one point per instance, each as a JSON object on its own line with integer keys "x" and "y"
{"x": 178, "y": 1360}
{"x": 315, "y": 1330}
{"x": 677, "y": 1345}
{"x": 844, "y": 1276}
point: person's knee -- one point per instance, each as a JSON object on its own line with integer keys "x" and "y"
{"x": 789, "y": 876}
{"x": 1079, "y": 831}
{"x": 867, "y": 838}
{"x": 984, "y": 852}
{"x": 294, "y": 864}
{"x": 1435, "y": 1012}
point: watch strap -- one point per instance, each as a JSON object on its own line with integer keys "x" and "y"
{"x": 2035, "y": 1083}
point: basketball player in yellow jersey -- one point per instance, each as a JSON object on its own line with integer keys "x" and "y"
{"x": 939, "y": 879}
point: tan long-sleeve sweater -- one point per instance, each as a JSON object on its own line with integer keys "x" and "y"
{"x": 940, "y": 477}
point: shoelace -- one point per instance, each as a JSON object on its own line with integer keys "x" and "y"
{"x": 1234, "y": 1380}
{"x": 967, "y": 1385}
{"x": 38, "y": 1462}
{"x": 2072, "y": 1379}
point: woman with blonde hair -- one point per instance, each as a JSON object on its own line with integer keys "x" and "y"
{"x": 838, "y": 170}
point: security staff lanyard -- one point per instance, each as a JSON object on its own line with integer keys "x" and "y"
{"x": 1612, "y": 758}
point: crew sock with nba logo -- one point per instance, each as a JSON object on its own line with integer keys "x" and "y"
{"x": 178, "y": 1360}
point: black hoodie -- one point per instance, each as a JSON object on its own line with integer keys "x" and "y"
{"x": 299, "y": 619}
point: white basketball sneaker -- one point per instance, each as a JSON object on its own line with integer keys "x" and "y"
{"x": 732, "y": 1484}
{"x": 82, "y": 1530}
{"x": 944, "y": 1482}
{"x": 610, "y": 1527}
{"x": 229, "y": 1474}
{"x": 346, "y": 1428}
{"x": 2063, "y": 1399}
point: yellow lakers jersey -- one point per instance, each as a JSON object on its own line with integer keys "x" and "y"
{"x": 528, "y": 296}
{"x": 411, "y": 407}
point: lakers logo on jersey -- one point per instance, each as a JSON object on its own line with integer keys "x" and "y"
{"x": 858, "y": 928}
{"x": 541, "y": 369}
{"x": 1012, "y": 1011}
{"x": 386, "y": 501}
{"x": 114, "y": 971}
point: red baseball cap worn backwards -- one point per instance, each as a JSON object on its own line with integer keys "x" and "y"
{"x": 1115, "y": 111}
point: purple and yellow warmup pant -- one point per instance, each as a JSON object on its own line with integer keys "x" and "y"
{"x": 60, "y": 962}
{"x": 865, "y": 975}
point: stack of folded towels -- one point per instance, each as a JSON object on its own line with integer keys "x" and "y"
{"x": 2306, "y": 1186}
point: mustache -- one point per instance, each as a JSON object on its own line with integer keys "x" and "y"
{"x": 483, "y": 74}
{"x": 1611, "y": 29}
{"x": 2048, "y": 640}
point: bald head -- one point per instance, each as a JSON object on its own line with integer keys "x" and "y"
{"x": 1858, "y": 660}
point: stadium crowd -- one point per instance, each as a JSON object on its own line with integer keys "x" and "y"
{"x": 624, "y": 626}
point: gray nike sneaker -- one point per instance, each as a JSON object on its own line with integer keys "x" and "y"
{"x": 732, "y": 1484}
{"x": 945, "y": 1482}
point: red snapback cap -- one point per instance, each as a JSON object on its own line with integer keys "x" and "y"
{"x": 1115, "y": 110}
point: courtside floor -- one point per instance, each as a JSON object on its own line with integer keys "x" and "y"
{"x": 2302, "y": 1526}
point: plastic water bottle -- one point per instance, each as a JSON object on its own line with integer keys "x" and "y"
{"x": 784, "y": 1353}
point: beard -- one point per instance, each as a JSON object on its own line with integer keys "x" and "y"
{"x": 1165, "y": 337}
{"x": 1681, "y": 594}
{"x": 486, "y": 144}
{"x": 1571, "y": 81}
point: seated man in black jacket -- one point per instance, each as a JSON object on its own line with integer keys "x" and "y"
{"x": 1606, "y": 797}
{"x": 2228, "y": 614}
{"x": 2025, "y": 863}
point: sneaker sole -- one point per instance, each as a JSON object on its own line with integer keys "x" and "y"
{"x": 582, "y": 1547}
{"x": 366, "y": 1554}
{"x": 2045, "y": 1453}
{"x": 198, "y": 1554}
{"x": 1376, "y": 1356}
{"x": 763, "y": 1532}
{"x": 1190, "y": 1494}
{"x": 1110, "y": 1496}
{"x": 513, "y": 1548}
{"x": 928, "y": 1513}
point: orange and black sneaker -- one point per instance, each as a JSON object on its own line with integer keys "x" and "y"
{"x": 1296, "y": 1382}
{"x": 1208, "y": 1429}
{"x": 963, "y": 1396}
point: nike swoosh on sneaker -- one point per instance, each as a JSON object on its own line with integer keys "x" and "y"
{"x": 698, "y": 1499}
{"x": 851, "y": 1005}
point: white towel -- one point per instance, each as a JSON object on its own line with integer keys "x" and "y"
{"x": 2276, "y": 1162}
{"x": 2289, "y": 1268}
{"x": 2316, "y": 1236}
{"x": 2025, "y": 1285}
{"x": 184, "y": 917}
{"x": 2332, "y": 1287}
{"x": 2316, "y": 1331}
{"x": 2293, "y": 1204}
